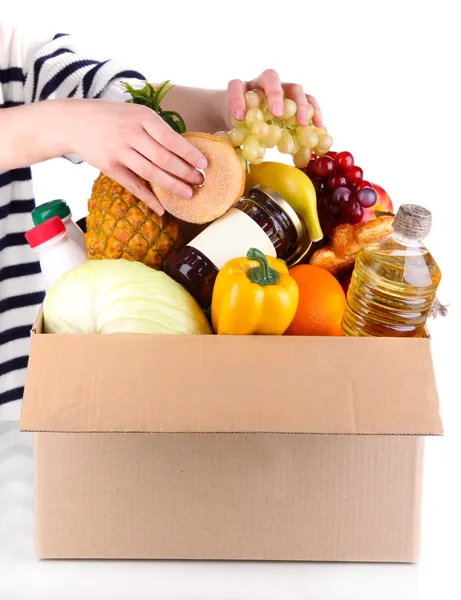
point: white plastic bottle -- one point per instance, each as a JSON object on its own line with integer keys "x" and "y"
{"x": 59, "y": 208}
{"x": 57, "y": 252}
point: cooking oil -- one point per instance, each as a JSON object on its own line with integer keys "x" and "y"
{"x": 394, "y": 282}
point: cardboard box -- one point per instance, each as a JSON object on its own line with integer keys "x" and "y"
{"x": 214, "y": 447}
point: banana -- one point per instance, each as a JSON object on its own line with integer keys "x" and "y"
{"x": 294, "y": 186}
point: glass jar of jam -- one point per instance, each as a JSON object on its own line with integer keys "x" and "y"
{"x": 260, "y": 220}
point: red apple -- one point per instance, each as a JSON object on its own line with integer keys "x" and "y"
{"x": 383, "y": 205}
{"x": 368, "y": 215}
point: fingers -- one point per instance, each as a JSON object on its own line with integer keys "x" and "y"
{"x": 128, "y": 179}
{"x": 166, "y": 160}
{"x": 236, "y": 98}
{"x": 317, "y": 111}
{"x": 269, "y": 81}
{"x": 296, "y": 93}
{"x": 156, "y": 127}
{"x": 152, "y": 173}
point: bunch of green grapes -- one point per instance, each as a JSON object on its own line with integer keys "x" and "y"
{"x": 261, "y": 130}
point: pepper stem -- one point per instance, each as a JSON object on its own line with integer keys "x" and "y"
{"x": 264, "y": 274}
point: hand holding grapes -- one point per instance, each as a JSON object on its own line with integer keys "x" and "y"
{"x": 266, "y": 113}
{"x": 276, "y": 92}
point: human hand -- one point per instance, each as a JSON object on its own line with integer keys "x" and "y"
{"x": 126, "y": 140}
{"x": 269, "y": 82}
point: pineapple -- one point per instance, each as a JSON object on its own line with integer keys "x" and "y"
{"x": 119, "y": 225}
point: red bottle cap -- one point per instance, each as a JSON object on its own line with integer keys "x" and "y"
{"x": 45, "y": 232}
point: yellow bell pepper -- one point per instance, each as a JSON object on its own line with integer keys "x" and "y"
{"x": 294, "y": 186}
{"x": 254, "y": 295}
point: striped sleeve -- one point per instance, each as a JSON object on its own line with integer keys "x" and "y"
{"x": 60, "y": 69}
{"x": 56, "y": 66}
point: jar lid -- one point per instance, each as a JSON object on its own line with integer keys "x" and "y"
{"x": 45, "y": 232}
{"x": 304, "y": 242}
{"x": 54, "y": 208}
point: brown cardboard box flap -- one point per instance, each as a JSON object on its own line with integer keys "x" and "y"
{"x": 145, "y": 383}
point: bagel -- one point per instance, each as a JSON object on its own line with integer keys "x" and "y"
{"x": 223, "y": 187}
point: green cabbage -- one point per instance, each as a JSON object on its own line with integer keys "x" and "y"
{"x": 119, "y": 296}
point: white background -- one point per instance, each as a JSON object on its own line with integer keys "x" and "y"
{"x": 387, "y": 77}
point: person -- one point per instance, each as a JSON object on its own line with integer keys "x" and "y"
{"x": 55, "y": 101}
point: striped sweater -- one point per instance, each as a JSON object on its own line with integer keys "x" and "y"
{"x": 35, "y": 70}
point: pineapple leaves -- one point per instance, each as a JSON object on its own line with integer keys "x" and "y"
{"x": 159, "y": 93}
{"x": 164, "y": 93}
{"x": 178, "y": 124}
{"x": 143, "y": 96}
{"x": 151, "y": 97}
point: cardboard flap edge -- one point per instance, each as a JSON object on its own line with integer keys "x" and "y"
{"x": 316, "y": 385}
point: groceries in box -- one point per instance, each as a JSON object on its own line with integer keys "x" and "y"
{"x": 270, "y": 384}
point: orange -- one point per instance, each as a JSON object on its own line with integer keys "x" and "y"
{"x": 322, "y": 302}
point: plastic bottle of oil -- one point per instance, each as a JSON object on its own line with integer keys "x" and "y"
{"x": 395, "y": 281}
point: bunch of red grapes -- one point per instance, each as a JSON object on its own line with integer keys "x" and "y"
{"x": 342, "y": 193}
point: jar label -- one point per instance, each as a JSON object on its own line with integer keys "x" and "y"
{"x": 231, "y": 236}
